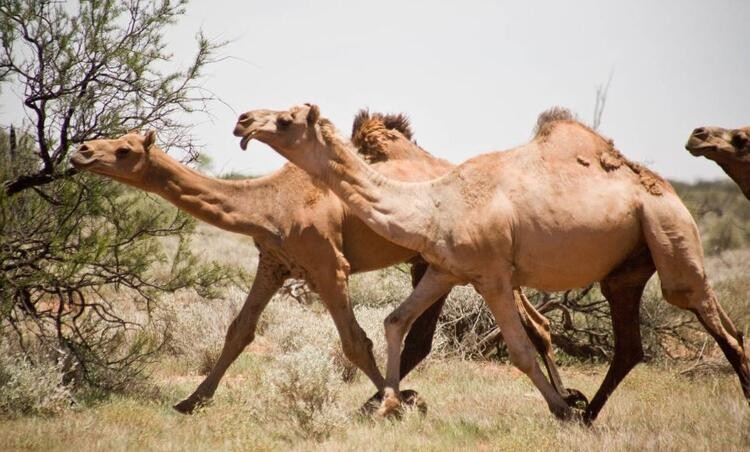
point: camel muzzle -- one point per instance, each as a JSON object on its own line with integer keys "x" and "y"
{"x": 247, "y": 131}
{"x": 82, "y": 158}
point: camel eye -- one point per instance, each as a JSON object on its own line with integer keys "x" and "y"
{"x": 739, "y": 141}
{"x": 284, "y": 121}
{"x": 121, "y": 152}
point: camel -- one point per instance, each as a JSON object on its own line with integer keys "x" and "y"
{"x": 563, "y": 211}
{"x": 301, "y": 230}
{"x": 729, "y": 148}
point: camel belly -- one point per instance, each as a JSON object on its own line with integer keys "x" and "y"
{"x": 574, "y": 262}
{"x": 570, "y": 249}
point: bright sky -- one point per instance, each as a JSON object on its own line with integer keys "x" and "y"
{"x": 474, "y": 75}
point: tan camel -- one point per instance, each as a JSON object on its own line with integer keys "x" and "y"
{"x": 563, "y": 211}
{"x": 301, "y": 229}
{"x": 729, "y": 148}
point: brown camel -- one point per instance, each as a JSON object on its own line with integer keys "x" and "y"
{"x": 302, "y": 230}
{"x": 563, "y": 211}
{"x": 729, "y": 148}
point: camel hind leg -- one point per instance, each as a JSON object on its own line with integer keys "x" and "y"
{"x": 675, "y": 245}
{"x": 623, "y": 289}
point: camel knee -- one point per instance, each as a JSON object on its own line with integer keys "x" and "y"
{"x": 686, "y": 297}
{"x": 240, "y": 332}
{"x": 355, "y": 344}
{"x": 357, "y": 348}
{"x": 545, "y": 326}
{"x": 545, "y": 334}
{"x": 539, "y": 324}
{"x": 395, "y": 324}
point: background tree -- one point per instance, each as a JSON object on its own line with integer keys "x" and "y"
{"x": 82, "y": 259}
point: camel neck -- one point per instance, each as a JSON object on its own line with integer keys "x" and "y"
{"x": 234, "y": 205}
{"x": 739, "y": 172}
{"x": 402, "y": 212}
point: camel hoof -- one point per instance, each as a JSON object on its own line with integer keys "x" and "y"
{"x": 390, "y": 406}
{"x": 576, "y": 399}
{"x": 371, "y": 406}
{"x": 412, "y": 399}
{"x": 190, "y": 405}
{"x": 375, "y": 404}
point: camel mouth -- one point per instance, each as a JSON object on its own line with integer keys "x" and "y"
{"x": 80, "y": 162}
{"x": 698, "y": 146}
{"x": 246, "y": 139}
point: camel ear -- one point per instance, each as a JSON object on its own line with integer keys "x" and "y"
{"x": 149, "y": 139}
{"x": 313, "y": 115}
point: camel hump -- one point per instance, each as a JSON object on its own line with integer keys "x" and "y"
{"x": 391, "y": 121}
{"x": 374, "y": 134}
{"x": 550, "y": 116}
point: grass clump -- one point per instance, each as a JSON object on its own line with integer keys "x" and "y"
{"x": 28, "y": 388}
{"x": 301, "y": 394}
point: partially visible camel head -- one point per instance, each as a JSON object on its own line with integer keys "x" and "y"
{"x": 125, "y": 159}
{"x": 729, "y": 148}
{"x": 295, "y": 133}
{"x": 712, "y": 141}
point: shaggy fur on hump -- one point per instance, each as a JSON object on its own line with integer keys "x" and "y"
{"x": 371, "y": 133}
{"x": 547, "y": 117}
{"x": 392, "y": 121}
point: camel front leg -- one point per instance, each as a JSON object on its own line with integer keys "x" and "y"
{"x": 537, "y": 327}
{"x": 417, "y": 344}
{"x": 432, "y": 286}
{"x": 356, "y": 345}
{"x": 268, "y": 279}
{"x": 522, "y": 353}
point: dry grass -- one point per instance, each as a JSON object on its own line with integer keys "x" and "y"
{"x": 290, "y": 397}
{"x": 287, "y": 392}
{"x": 471, "y": 405}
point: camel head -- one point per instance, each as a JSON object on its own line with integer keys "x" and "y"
{"x": 717, "y": 143}
{"x": 729, "y": 148}
{"x": 125, "y": 159}
{"x": 296, "y": 133}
